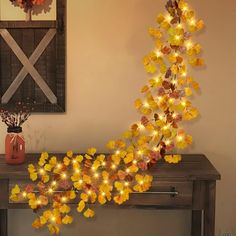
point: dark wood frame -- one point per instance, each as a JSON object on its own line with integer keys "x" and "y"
{"x": 194, "y": 179}
{"x": 56, "y": 63}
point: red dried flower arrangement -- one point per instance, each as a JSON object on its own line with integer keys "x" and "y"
{"x": 28, "y": 4}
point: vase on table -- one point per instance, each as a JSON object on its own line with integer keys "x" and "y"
{"x": 14, "y": 146}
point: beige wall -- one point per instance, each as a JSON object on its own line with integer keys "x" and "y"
{"x": 106, "y": 42}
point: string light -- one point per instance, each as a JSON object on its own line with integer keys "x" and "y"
{"x": 168, "y": 18}
{"x": 105, "y": 181}
{"x": 74, "y": 161}
{"x": 54, "y": 183}
{"x": 177, "y": 37}
{"x": 77, "y": 171}
{"x": 24, "y": 194}
{"x": 64, "y": 199}
{"x": 117, "y": 152}
{"x": 167, "y": 142}
{"x": 183, "y": 103}
{"x": 155, "y": 133}
{"x": 50, "y": 190}
{"x": 146, "y": 104}
{"x": 96, "y": 175}
{"x": 140, "y": 152}
{"x": 155, "y": 149}
{"x": 121, "y": 192}
{"x": 113, "y": 166}
{"x": 126, "y": 184}
{"x": 141, "y": 127}
{"x": 53, "y": 219}
{"x": 89, "y": 192}
{"x": 59, "y": 166}
{"x": 174, "y": 115}
{"x": 192, "y": 22}
{"x": 184, "y": 74}
{"x": 179, "y": 26}
{"x": 127, "y": 170}
{"x": 134, "y": 162}
{"x": 39, "y": 202}
{"x": 158, "y": 53}
{"x": 41, "y": 171}
{"x": 80, "y": 181}
{"x": 64, "y": 175}
{"x": 103, "y": 194}
{"x": 141, "y": 182}
{"x": 188, "y": 44}
{"x": 180, "y": 138}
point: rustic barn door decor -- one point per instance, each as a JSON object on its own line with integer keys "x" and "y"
{"x": 32, "y": 63}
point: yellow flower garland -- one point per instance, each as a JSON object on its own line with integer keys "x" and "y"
{"x": 98, "y": 178}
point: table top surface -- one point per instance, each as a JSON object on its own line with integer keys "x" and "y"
{"x": 192, "y": 167}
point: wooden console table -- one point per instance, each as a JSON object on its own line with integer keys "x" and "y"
{"x": 189, "y": 185}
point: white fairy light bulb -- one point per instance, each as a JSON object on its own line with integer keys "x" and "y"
{"x": 41, "y": 171}
{"x": 103, "y": 163}
{"x": 24, "y": 194}
{"x": 50, "y": 190}
{"x": 155, "y": 133}
{"x": 134, "y": 162}
{"x": 155, "y": 149}
{"x": 183, "y": 103}
{"x": 167, "y": 142}
{"x": 77, "y": 171}
{"x": 121, "y": 192}
{"x": 192, "y": 22}
{"x": 89, "y": 192}
{"x": 146, "y": 105}
{"x": 126, "y": 184}
{"x": 113, "y": 166}
{"x": 64, "y": 199}
{"x": 74, "y": 161}
{"x": 180, "y": 138}
{"x": 39, "y": 202}
{"x": 127, "y": 170}
{"x": 105, "y": 181}
{"x": 168, "y": 18}
{"x": 96, "y": 175}
{"x": 103, "y": 194}
{"x": 142, "y": 127}
{"x": 53, "y": 219}
{"x": 141, "y": 182}
{"x": 184, "y": 74}
{"x": 189, "y": 44}
{"x": 179, "y": 26}
{"x": 158, "y": 53}
{"x": 80, "y": 181}
{"x": 64, "y": 175}
{"x": 117, "y": 152}
{"x": 58, "y": 166}
{"x": 54, "y": 183}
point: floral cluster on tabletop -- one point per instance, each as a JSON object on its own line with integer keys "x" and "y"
{"x": 92, "y": 177}
{"x": 14, "y": 141}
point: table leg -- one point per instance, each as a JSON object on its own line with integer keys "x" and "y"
{"x": 209, "y": 212}
{"x": 196, "y": 223}
{"x": 3, "y": 222}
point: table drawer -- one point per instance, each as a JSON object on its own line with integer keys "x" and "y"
{"x": 163, "y": 194}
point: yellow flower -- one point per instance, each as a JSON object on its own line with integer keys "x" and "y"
{"x": 111, "y": 145}
{"x": 129, "y": 158}
{"x": 84, "y": 197}
{"x": 81, "y": 206}
{"x": 69, "y": 154}
{"x": 143, "y": 183}
{"x": 37, "y": 224}
{"x": 89, "y": 213}
{"x": 91, "y": 151}
{"x": 48, "y": 167}
{"x": 53, "y": 229}
{"x": 67, "y": 220}
{"x": 79, "y": 158}
{"x": 173, "y": 158}
{"x": 66, "y": 161}
{"x": 64, "y": 209}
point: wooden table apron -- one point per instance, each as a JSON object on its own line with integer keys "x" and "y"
{"x": 189, "y": 185}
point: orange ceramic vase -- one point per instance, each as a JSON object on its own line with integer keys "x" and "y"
{"x": 14, "y": 146}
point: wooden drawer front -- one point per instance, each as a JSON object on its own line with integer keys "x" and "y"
{"x": 165, "y": 194}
